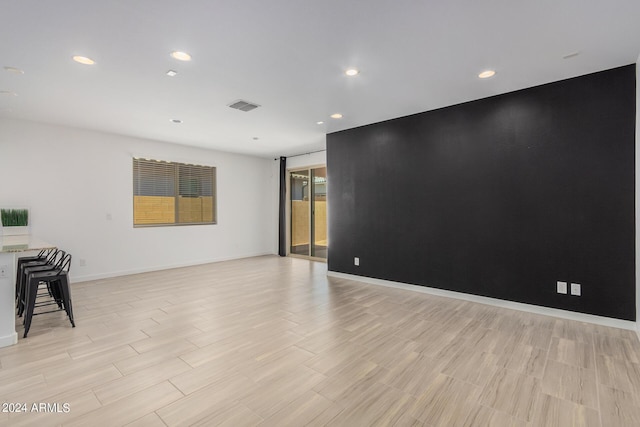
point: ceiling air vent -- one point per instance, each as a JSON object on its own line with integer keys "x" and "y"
{"x": 243, "y": 105}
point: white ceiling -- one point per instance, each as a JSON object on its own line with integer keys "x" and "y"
{"x": 289, "y": 56}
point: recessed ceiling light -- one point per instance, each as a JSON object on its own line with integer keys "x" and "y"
{"x": 255, "y": 138}
{"x": 14, "y": 70}
{"x": 336, "y": 116}
{"x": 84, "y": 60}
{"x": 177, "y": 121}
{"x": 172, "y": 73}
{"x": 8, "y": 93}
{"x": 181, "y": 56}
{"x": 486, "y": 74}
{"x": 320, "y": 122}
{"x": 352, "y": 72}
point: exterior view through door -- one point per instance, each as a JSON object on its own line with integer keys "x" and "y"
{"x": 308, "y": 190}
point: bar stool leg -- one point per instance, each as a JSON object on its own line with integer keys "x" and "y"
{"x": 21, "y": 285}
{"x": 30, "y": 302}
{"x": 56, "y": 293}
{"x": 66, "y": 297}
{"x": 20, "y": 289}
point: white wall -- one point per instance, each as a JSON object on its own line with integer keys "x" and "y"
{"x": 313, "y": 159}
{"x": 72, "y": 180}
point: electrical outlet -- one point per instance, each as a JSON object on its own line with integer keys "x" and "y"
{"x": 576, "y": 289}
{"x": 4, "y": 271}
{"x": 83, "y": 262}
{"x": 356, "y": 261}
{"x": 561, "y": 287}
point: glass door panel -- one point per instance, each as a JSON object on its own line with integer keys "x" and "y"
{"x": 319, "y": 213}
{"x": 300, "y": 212}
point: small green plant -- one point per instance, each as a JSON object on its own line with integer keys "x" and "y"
{"x": 14, "y": 217}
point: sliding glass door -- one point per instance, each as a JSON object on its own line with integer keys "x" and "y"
{"x": 308, "y": 189}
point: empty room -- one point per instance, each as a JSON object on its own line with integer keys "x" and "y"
{"x": 296, "y": 213}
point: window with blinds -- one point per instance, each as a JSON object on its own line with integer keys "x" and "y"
{"x": 169, "y": 193}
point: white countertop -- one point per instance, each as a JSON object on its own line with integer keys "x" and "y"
{"x": 21, "y": 243}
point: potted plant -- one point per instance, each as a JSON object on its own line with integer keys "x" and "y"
{"x": 14, "y": 221}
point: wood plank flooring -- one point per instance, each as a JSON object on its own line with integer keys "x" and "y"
{"x": 272, "y": 341}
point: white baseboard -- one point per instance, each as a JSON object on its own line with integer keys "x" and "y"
{"x": 530, "y": 308}
{"x": 110, "y": 274}
{"x": 8, "y": 340}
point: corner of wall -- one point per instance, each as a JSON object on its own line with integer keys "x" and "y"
{"x": 637, "y": 201}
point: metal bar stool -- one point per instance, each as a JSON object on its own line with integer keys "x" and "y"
{"x": 51, "y": 263}
{"x": 42, "y": 256}
{"x": 57, "y": 282}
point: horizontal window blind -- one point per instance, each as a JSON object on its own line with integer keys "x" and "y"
{"x": 195, "y": 181}
{"x": 152, "y": 178}
{"x": 170, "y": 193}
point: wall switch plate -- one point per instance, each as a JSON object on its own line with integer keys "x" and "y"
{"x": 576, "y": 289}
{"x": 356, "y": 261}
{"x": 561, "y": 287}
{"x": 4, "y": 271}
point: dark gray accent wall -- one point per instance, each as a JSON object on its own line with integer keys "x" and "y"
{"x": 500, "y": 197}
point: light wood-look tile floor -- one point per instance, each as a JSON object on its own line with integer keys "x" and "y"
{"x": 273, "y": 341}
